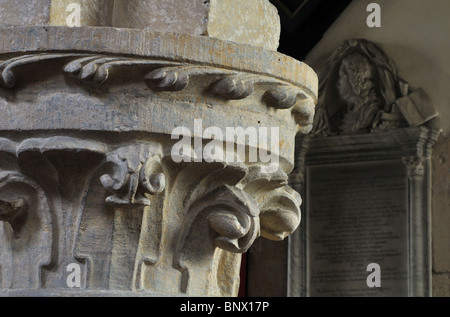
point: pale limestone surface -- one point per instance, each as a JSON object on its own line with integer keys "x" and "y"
{"x": 253, "y": 22}
{"x": 186, "y": 17}
{"x": 55, "y": 12}
{"x": 24, "y": 12}
{"x": 92, "y": 12}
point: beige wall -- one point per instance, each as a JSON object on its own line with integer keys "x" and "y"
{"x": 415, "y": 34}
{"x": 441, "y": 218}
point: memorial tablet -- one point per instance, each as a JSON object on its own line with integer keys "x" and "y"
{"x": 357, "y": 215}
{"x": 364, "y": 172}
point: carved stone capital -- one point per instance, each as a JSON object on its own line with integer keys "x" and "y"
{"x": 418, "y": 151}
{"x": 415, "y": 166}
{"x": 87, "y": 173}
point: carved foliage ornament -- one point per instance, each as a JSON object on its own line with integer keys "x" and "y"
{"x": 253, "y": 204}
{"x": 24, "y": 205}
{"x": 226, "y": 208}
{"x": 232, "y": 205}
{"x": 137, "y": 173}
{"x": 166, "y": 75}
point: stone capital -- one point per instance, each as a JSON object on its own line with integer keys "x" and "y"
{"x": 88, "y": 174}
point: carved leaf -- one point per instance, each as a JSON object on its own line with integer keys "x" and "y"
{"x": 95, "y": 69}
{"x": 173, "y": 79}
{"x": 7, "y": 67}
{"x": 232, "y": 215}
{"x": 279, "y": 204}
{"x": 226, "y": 225}
{"x": 280, "y": 213}
{"x": 281, "y": 97}
{"x": 233, "y": 87}
{"x": 136, "y": 173}
{"x": 26, "y": 247}
{"x": 176, "y": 77}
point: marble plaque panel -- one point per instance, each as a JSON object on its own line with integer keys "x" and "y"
{"x": 357, "y": 214}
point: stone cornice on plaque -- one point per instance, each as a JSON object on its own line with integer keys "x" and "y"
{"x": 388, "y": 145}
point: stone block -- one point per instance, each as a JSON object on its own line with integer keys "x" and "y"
{"x": 254, "y": 22}
{"x": 92, "y": 12}
{"x": 56, "y": 12}
{"x": 24, "y": 12}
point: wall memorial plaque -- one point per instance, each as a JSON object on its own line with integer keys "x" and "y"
{"x": 364, "y": 173}
{"x": 366, "y": 201}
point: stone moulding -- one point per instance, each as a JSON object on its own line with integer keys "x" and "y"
{"x": 172, "y": 76}
{"x": 167, "y": 46}
{"x": 86, "y": 175}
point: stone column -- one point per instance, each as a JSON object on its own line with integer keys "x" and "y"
{"x": 111, "y": 178}
{"x": 418, "y": 165}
